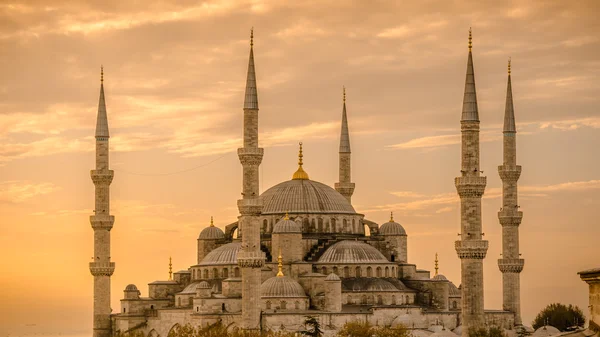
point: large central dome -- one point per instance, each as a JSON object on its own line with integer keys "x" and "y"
{"x": 304, "y": 196}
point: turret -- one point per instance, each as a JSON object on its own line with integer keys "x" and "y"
{"x": 209, "y": 239}
{"x": 287, "y": 239}
{"x": 102, "y": 222}
{"x": 471, "y": 249}
{"x": 396, "y": 240}
{"x": 345, "y": 186}
{"x": 510, "y": 217}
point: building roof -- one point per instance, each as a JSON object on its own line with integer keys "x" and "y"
{"x": 223, "y": 255}
{"x": 392, "y": 228}
{"x": 281, "y": 286}
{"x": 131, "y": 287}
{"x": 332, "y": 277}
{"x": 439, "y": 277}
{"x": 211, "y": 233}
{"x": 361, "y": 284}
{"x": 102, "y": 119}
{"x": 191, "y": 288}
{"x": 470, "y": 111}
{"x": 352, "y": 251}
{"x": 287, "y": 226}
{"x": 345, "y": 134}
{"x": 509, "y": 110}
{"x": 251, "y": 96}
{"x": 304, "y": 196}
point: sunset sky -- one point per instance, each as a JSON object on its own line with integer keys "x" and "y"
{"x": 174, "y": 82}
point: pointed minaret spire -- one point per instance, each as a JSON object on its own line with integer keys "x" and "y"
{"x": 436, "y": 264}
{"x": 470, "y": 111}
{"x": 345, "y": 186}
{"x": 251, "y": 97}
{"x": 102, "y": 119}
{"x": 170, "y": 269}
{"x": 509, "y": 110}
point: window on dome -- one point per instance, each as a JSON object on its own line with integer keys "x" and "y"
{"x": 297, "y": 305}
{"x": 324, "y": 270}
{"x": 268, "y": 304}
{"x": 335, "y": 270}
{"x": 346, "y": 272}
{"x": 387, "y": 272}
{"x": 283, "y": 304}
{"x": 320, "y": 225}
{"x": 236, "y": 272}
{"x": 369, "y": 272}
{"x": 215, "y": 273}
{"x": 393, "y": 299}
{"x": 378, "y": 272}
{"x": 379, "y": 300}
{"x": 206, "y": 273}
{"x": 225, "y": 273}
{"x": 357, "y": 272}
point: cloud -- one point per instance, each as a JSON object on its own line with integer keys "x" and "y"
{"x": 407, "y": 194}
{"x": 21, "y": 191}
{"x": 43, "y": 147}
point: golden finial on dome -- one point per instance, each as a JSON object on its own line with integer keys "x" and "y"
{"x": 101, "y": 74}
{"x": 509, "y": 65}
{"x": 286, "y": 216}
{"x": 392, "y": 216}
{"x": 344, "y": 90}
{"x": 470, "y": 39}
{"x": 300, "y": 174}
{"x": 252, "y": 37}
{"x": 279, "y": 265}
{"x": 211, "y": 222}
{"x": 436, "y": 263}
{"x": 170, "y": 269}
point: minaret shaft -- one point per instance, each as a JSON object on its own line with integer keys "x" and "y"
{"x": 102, "y": 222}
{"x": 250, "y": 258}
{"x": 471, "y": 249}
{"x": 510, "y": 217}
{"x": 345, "y": 186}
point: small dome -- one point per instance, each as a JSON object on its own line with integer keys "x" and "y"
{"x": 131, "y": 287}
{"x": 223, "y": 255}
{"x": 443, "y": 333}
{"x": 392, "y": 228}
{"x": 545, "y": 331}
{"x": 332, "y": 277}
{"x": 453, "y": 290}
{"x": 350, "y": 251}
{"x": 287, "y": 226}
{"x": 439, "y": 277}
{"x": 211, "y": 233}
{"x": 281, "y": 286}
{"x": 191, "y": 288}
{"x": 203, "y": 285}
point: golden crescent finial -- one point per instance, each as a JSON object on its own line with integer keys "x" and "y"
{"x": 300, "y": 174}
{"x": 252, "y": 37}
{"x": 279, "y": 265}
{"x": 286, "y": 216}
{"x": 470, "y": 39}
{"x": 211, "y": 222}
{"x": 392, "y": 216}
{"x": 344, "y": 90}
{"x": 101, "y": 74}
{"x": 436, "y": 263}
{"x": 509, "y": 65}
{"x": 170, "y": 269}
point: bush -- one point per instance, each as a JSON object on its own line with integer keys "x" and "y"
{"x": 484, "y": 332}
{"x": 365, "y": 329}
{"x": 559, "y": 316}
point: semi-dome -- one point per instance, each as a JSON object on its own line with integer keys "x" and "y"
{"x": 332, "y": 277}
{"x": 367, "y": 284}
{"x": 304, "y": 196}
{"x": 281, "y": 286}
{"x": 287, "y": 226}
{"x": 224, "y": 255}
{"x": 211, "y": 232}
{"x": 131, "y": 287}
{"x": 351, "y": 251}
{"x": 392, "y": 228}
{"x": 545, "y": 331}
{"x": 191, "y": 288}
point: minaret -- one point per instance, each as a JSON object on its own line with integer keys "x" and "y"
{"x": 345, "y": 187}
{"x": 510, "y": 217}
{"x": 471, "y": 249}
{"x": 102, "y": 223}
{"x": 250, "y": 258}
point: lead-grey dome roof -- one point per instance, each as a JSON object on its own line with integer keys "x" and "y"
{"x": 367, "y": 284}
{"x": 225, "y": 254}
{"x": 281, "y": 286}
{"x": 351, "y": 251}
{"x": 190, "y": 289}
{"x": 287, "y": 226}
{"x": 439, "y": 277}
{"x": 131, "y": 287}
{"x": 453, "y": 290}
{"x": 392, "y": 228}
{"x": 304, "y": 196}
{"x": 211, "y": 233}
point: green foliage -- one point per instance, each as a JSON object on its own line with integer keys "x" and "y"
{"x": 485, "y": 332}
{"x": 135, "y": 333}
{"x": 313, "y": 327}
{"x": 365, "y": 329}
{"x": 559, "y": 316}
{"x": 219, "y": 329}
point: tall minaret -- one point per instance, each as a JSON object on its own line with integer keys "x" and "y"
{"x": 102, "y": 223}
{"x": 345, "y": 187}
{"x": 250, "y": 258}
{"x": 510, "y": 217}
{"x": 470, "y": 186}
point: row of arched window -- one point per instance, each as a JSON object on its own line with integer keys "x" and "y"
{"x": 379, "y": 299}
{"x": 282, "y": 305}
{"x": 360, "y": 271}
{"x": 186, "y": 301}
{"x": 214, "y": 273}
{"x": 321, "y": 225}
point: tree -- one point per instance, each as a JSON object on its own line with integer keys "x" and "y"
{"x": 485, "y": 332}
{"x": 314, "y": 327}
{"x": 559, "y": 316}
{"x": 365, "y": 329}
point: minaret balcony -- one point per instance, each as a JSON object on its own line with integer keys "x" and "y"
{"x": 102, "y": 221}
{"x": 345, "y": 188}
{"x": 510, "y": 217}
{"x": 251, "y": 206}
{"x": 509, "y": 173}
{"x": 102, "y": 177}
{"x": 511, "y": 265}
{"x": 250, "y": 155}
{"x": 250, "y": 259}
{"x": 470, "y": 186}
{"x": 471, "y": 249}
{"x": 102, "y": 268}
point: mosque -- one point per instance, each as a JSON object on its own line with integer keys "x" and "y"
{"x": 302, "y": 249}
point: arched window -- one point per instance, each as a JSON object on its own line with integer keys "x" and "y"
{"x": 215, "y": 273}
{"x": 152, "y": 307}
{"x": 324, "y": 270}
{"x": 333, "y": 225}
{"x": 264, "y": 226}
{"x": 363, "y": 299}
{"x": 407, "y": 299}
{"x": 346, "y": 271}
{"x": 387, "y": 272}
{"x": 335, "y": 271}
{"x": 268, "y": 304}
{"x": 313, "y": 225}
{"x": 320, "y": 221}
{"x": 393, "y": 299}
{"x": 179, "y": 302}
{"x": 454, "y": 305}
{"x": 349, "y": 300}
{"x": 379, "y": 300}
{"x": 357, "y": 271}
{"x": 225, "y": 273}
{"x": 297, "y": 305}
{"x": 393, "y": 258}
{"x": 378, "y": 272}
{"x": 369, "y": 272}
{"x": 206, "y": 273}
{"x": 345, "y": 226}
{"x": 236, "y": 272}
{"x": 283, "y": 304}
{"x": 197, "y": 309}
{"x": 354, "y": 226}
{"x": 191, "y": 300}
{"x": 394, "y": 272}
{"x": 124, "y": 310}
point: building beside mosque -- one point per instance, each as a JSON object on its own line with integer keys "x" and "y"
{"x": 302, "y": 249}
